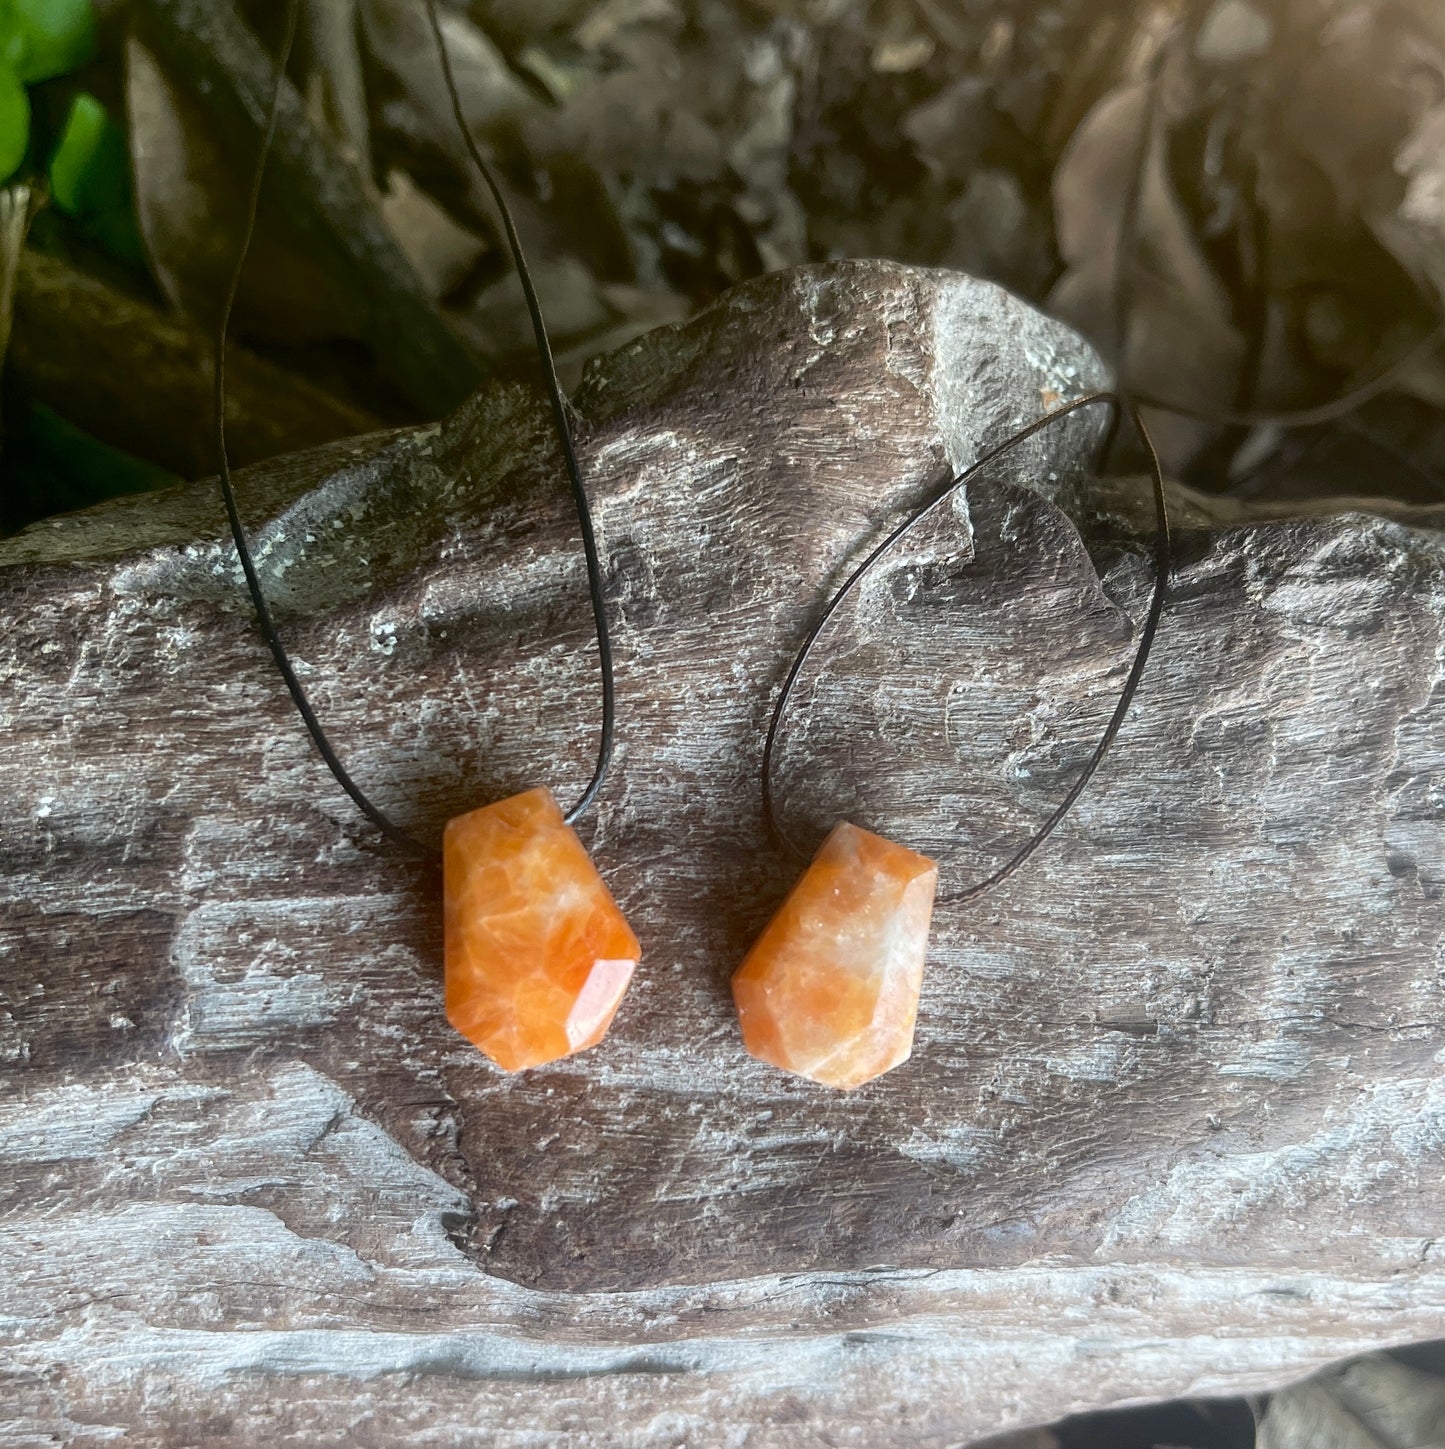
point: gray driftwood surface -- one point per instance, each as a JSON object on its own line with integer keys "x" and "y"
{"x": 1175, "y": 1121}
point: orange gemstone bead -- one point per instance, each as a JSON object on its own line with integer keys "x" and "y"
{"x": 830, "y": 988}
{"x": 537, "y": 954}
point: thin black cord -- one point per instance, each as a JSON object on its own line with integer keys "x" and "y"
{"x": 1162, "y": 563}
{"x": 264, "y": 618}
{"x": 1126, "y": 256}
{"x": 559, "y": 418}
{"x": 383, "y": 822}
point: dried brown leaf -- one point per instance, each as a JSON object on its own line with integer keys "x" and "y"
{"x": 1414, "y": 232}
{"x": 606, "y": 22}
{"x": 570, "y": 299}
{"x": 400, "y": 40}
{"x": 142, "y": 381}
{"x": 1351, "y": 101}
{"x": 1178, "y": 334}
{"x": 949, "y": 129}
{"x": 442, "y": 252}
{"x": 1371, "y": 1403}
{"x": 1231, "y": 32}
{"x": 529, "y": 17}
{"x": 190, "y": 202}
{"x": 331, "y": 27}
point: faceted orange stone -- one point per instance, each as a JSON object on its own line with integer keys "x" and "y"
{"x": 537, "y": 953}
{"x": 830, "y": 988}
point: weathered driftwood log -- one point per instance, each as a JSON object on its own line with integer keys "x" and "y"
{"x": 1176, "y": 1117}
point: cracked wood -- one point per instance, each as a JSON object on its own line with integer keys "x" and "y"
{"x": 1176, "y": 1107}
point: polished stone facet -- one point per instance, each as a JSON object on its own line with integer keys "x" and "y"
{"x": 537, "y": 953}
{"x": 830, "y": 988}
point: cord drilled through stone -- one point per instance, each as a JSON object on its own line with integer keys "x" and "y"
{"x": 830, "y": 989}
{"x": 538, "y": 955}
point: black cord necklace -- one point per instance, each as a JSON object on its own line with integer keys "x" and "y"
{"x": 830, "y": 988}
{"x": 538, "y": 955}
{"x": 264, "y": 618}
{"x": 1162, "y": 566}
{"x": 517, "y": 879}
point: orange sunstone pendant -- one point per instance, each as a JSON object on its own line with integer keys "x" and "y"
{"x": 537, "y": 953}
{"x": 830, "y": 988}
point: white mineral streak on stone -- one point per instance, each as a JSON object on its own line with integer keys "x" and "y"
{"x": 1273, "y": 1061}
{"x": 1101, "y": 1061}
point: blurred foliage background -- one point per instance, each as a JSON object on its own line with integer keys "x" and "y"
{"x": 1241, "y": 202}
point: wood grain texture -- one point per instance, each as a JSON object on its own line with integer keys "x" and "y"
{"x": 1176, "y": 1116}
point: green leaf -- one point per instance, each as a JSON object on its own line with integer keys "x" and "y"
{"x": 88, "y": 169}
{"x": 51, "y": 466}
{"x": 118, "y": 233}
{"x": 45, "y": 38}
{"x": 90, "y": 178}
{"x": 14, "y": 122}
